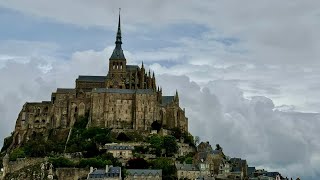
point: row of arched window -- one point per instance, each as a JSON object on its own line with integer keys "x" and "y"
{"x": 117, "y": 65}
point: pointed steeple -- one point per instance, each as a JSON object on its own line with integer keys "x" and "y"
{"x": 118, "y": 38}
{"x": 118, "y": 52}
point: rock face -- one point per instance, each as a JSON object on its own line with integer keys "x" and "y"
{"x": 126, "y": 98}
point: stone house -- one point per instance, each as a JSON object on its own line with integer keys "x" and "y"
{"x": 185, "y": 149}
{"x": 189, "y": 171}
{"x": 110, "y": 173}
{"x": 120, "y": 151}
{"x": 144, "y": 174}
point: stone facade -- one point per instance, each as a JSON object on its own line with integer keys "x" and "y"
{"x": 120, "y": 151}
{"x": 126, "y": 98}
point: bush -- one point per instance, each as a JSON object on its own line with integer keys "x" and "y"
{"x": 168, "y": 169}
{"x": 17, "y": 153}
{"x": 61, "y": 162}
{"x": 94, "y": 162}
{"x": 170, "y": 144}
{"x": 138, "y": 163}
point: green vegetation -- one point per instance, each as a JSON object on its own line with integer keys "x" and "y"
{"x": 168, "y": 143}
{"x": 94, "y": 162}
{"x": 87, "y": 140}
{"x": 99, "y": 161}
{"x": 138, "y": 163}
{"x": 61, "y": 162}
{"x": 188, "y": 138}
{"x": 17, "y": 153}
{"x": 167, "y": 166}
{"x": 186, "y": 159}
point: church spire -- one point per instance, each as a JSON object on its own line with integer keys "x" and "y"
{"x": 118, "y": 38}
{"x": 118, "y": 52}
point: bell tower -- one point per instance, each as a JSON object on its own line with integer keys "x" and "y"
{"x": 117, "y": 64}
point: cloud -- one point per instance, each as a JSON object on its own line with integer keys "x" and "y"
{"x": 218, "y": 111}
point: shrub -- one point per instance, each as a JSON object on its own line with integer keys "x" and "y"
{"x": 61, "y": 162}
{"x": 17, "y": 153}
{"x": 94, "y": 162}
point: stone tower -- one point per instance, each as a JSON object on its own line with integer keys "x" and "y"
{"x": 117, "y": 64}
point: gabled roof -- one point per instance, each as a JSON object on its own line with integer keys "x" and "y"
{"x": 101, "y": 173}
{"x": 91, "y": 78}
{"x": 145, "y": 172}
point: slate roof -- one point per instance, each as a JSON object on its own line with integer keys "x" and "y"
{"x": 186, "y": 167}
{"x": 101, "y": 173}
{"x": 132, "y": 67}
{"x": 167, "y": 99}
{"x": 123, "y": 91}
{"x": 145, "y": 172}
{"x": 91, "y": 78}
{"x": 120, "y": 147}
{"x": 66, "y": 90}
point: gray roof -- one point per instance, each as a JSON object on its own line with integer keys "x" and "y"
{"x": 101, "y": 173}
{"x": 186, "y": 167}
{"x": 91, "y": 78}
{"x": 123, "y": 91}
{"x": 132, "y": 67}
{"x": 66, "y": 90}
{"x": 119, "y": 147}
{"x": 145, "y": 172}
{"x": 167, "y": 99}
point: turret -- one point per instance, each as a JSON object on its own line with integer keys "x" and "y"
{"x": 176, "y": 97}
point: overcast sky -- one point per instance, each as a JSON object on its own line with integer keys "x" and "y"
{"x": 247, "y": 71}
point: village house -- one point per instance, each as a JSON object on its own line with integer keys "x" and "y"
{"x": 120, "y": 151}
{"x": 143, "y": 174}
{"x": 110, "y": 173}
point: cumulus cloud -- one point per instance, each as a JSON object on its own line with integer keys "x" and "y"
{"x": 250, "y": 128}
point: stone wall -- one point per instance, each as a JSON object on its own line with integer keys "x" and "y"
{"x": 71, "y": 173}
{"x": 23, "y": 162}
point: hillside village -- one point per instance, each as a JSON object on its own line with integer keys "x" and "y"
{"x": 117, "y": 126}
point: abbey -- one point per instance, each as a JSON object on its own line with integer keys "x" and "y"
{"x": 126, "y": 98}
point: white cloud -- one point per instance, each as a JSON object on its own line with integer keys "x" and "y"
{"x": 218, "y": 111}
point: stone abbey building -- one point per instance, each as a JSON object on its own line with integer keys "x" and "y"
{"x": 126, "y": 98}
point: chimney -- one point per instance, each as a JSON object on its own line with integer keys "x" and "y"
{"x": 107, "y": 168}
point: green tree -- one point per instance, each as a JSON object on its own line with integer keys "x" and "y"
{"x": 94, "y": 162}
{"x": 138, "y": 163}
{"x": 61, "y": 162}
{"x": 156, "y": 142}
{"x": 168, "y": 169}
{"x": 17, "y": 153}
{"x": 170, "y": 145}
{"x": 188, "y": 160}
